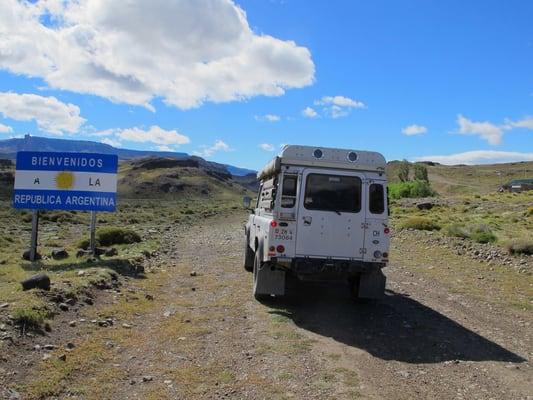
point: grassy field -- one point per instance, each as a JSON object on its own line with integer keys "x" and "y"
{"x": 142, "y": 207}
{"x": 466, "y": 180}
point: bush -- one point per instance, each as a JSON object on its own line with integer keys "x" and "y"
{"x": 29, "y": 317}
{"x": 420, "y": 223}
{"x": 116, "y": 235}
{"x": 110, "y": 236}
{"x": 481, "y": 233}
{"x": 411, "y": 189}
{"x": 520, "y": 246}
{"x": 456, "y": 230}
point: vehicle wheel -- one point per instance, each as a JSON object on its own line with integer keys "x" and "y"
{"x": 248, "y": 257}
{"x": 258, "y": 264}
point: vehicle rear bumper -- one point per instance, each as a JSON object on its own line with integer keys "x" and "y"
{"x": 326, "y": 269}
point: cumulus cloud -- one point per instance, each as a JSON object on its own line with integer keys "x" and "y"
{"x": 526, "y": 123}
{"x": 155, "y": 135}
{"x": 111, "y": 142}
{"x": 309, "y": 112}
{"x": 334, "y": 106}
{"x": 267, "y": 146}
{"x": 184, "y": 51}
{"x": 490, "y": 132}
{"x": 268, "y": 118}
{"x": 340, "y": 101}
{"x": 5, "y": 129}
{"x": 50, "y": 114}
{"x": 208, "y": 151}
{"x": 478, "y": 157}
{"x": 165, "y": 148}
{"x": 414, "y": 129}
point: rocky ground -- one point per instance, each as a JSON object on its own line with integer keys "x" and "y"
{"x": 454, "y": 324}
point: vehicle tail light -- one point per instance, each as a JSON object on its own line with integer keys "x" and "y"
{"x": 280, "y": 249}
{"x": 386, "y": 231}
{"x": 273, "y": 224}
{"x": 272, "y": 248}
{"x": 385, "y": 255}
{"x": 377, "y": 254}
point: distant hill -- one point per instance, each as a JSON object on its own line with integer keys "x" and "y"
{"x": 468, "y": 179}
{"x": 9, "y": 148}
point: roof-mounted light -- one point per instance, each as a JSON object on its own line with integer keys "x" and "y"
{"x": 352, "y": 156}
{"x": 318, "y": 153}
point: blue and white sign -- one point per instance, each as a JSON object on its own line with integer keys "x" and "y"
{"x": 66, "y": 181}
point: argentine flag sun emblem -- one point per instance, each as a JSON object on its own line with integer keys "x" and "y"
{"x": 64, "y": 180}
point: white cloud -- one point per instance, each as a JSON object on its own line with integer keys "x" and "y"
{"x": 268, "y": 118}
{"x": 334, "y": 106}
{"x": 267, "y": 146}
{"x": 414, "y": 129}
{"x": 186, "y": 52}
{"x": 155, "y": 135}
{"x": 340, "y": 101}
{"x": 5, "y": 129}
{"x": 111, "y": 142}
{"x": 309, "y": 113}
{"x": 164, "y": 148}
{"x": 50, "y": 114}
{"x": 208, "y": 151}
{"x": 486, "y": 130}
{"x": 478, "y": 157}
{"x": 526, "y": 123}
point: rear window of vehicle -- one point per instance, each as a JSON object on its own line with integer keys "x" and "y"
{"x": 336, "y": 193}
{"x": 288, "y": 194}
{"x": 376, "y": 199}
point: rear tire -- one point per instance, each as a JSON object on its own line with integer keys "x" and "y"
{"x": 248, "y": 257}
{"x": 258, "y": 264}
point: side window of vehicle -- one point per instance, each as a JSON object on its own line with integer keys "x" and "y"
{"x": 376, "y": 198}
{"x": 288, "y": 193}
{"x": 259, "y": 196}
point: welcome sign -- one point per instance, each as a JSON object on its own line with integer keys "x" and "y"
{"x": 65, "y": 181}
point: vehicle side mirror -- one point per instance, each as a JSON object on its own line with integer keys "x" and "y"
{"x": 246, "y": 202}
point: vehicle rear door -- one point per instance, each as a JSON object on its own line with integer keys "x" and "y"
{"x": 376, "y": 227}
{"x": 331, "y": 214}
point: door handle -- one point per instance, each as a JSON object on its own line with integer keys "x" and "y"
{"x": 307, "y": 220}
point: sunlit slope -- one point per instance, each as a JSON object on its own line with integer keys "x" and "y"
{"x": 464, "y": 179}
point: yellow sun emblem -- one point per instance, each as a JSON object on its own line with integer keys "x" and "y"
{"x": 64, "y": 180}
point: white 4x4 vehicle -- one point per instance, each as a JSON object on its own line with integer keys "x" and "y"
{"x": 321, "y": 214}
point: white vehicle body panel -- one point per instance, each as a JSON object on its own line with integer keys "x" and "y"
{"x": 328, "y": 234}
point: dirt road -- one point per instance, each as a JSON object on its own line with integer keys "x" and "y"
{"x": 192, "y": 330}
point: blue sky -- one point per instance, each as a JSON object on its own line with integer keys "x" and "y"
{"x": 449, "y": 81}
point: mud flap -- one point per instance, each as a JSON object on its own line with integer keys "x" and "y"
{"x": 372, "y": 285}
{"x": 270, "y": 281}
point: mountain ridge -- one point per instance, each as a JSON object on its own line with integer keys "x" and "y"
{"x": 10, "y": 147}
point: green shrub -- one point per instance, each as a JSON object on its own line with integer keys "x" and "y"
{"x": 481, "y": 233}
{"x": 420, "y": 223}
{"x": 110, "y": 236}
{"x": 520, "y": 246}
{"x": 456, "y": 230}
{"x": 29, "y": 317}
{"x": 410, "y": 189}
{"x": 115, "y": 235}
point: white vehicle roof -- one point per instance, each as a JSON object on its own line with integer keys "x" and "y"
{"x": 324, "y": 157}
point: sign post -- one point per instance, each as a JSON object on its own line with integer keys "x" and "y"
{"x": 34, "y": 234}
{"x": 65, "y": 181}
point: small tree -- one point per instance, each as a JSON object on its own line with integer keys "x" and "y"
{"x": 421, "y": 173}
{"x": 403, "y": 173}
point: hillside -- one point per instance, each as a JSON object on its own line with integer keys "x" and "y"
{"x": 9, "y": 148}
{"x": 468, "y": 179}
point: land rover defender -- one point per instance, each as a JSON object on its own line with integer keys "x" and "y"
{"x": 321, "y": 214}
